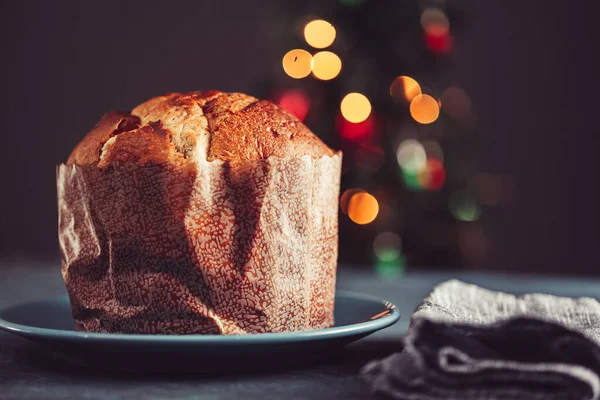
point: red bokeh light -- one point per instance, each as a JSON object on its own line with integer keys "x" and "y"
{"x": 296, "y": 102}
{"x": 433, "y": 175}
{"x": 438, "y": 39}
{"x": 356, "y": 132}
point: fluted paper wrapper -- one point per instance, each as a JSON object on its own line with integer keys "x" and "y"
{"x": 200, "y": 247}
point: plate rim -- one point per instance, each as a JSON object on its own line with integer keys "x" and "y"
{"x": 371, "y": 326}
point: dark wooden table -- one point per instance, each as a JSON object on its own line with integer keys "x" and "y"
{"x": 28, "y": 371}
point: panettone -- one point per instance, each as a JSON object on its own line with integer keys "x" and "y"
{"x": 202, "y": 212}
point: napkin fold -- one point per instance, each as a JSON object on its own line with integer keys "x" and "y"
{"x": 466, "y": 342}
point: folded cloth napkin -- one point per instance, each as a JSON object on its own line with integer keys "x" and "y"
{"x": 466, "y": 342}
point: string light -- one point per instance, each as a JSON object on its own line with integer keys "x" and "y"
{"x": 363, "y": 208}
{"x": 463, "y": 206}
{"x": 424, "y": 109}
{"x": 456, "y": 102}
{"x": 411, "y": 156}
{"x": 355, "y": 107}
{"x": 421, "y": 163}
{"x": 319, "y": 33}
{"x": 404, "y": 88}
{"x": 326, "y": 65}
{"x": 297, "y": 63}
{"x": 387, "y": 246}
{"x": 296, "y": 102}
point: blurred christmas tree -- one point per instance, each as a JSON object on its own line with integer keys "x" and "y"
{"x": 369, "y": 77}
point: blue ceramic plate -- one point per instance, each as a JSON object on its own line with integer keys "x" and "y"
{"x": 49, "y": 323}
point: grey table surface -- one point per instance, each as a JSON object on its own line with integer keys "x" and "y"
{"x": 28, "y": 371}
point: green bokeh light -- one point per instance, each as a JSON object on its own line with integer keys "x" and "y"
{"x": 464, "y": 207}
{"x": 388, "y": 254}
{"x": 411, "y": 180}
{"x": 391, "y": 268}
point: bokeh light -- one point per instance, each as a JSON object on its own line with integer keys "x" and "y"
{"x": 434, "y": 17}
{"x": 411, "y": 156}
{"x": 433, "y": 150}
{"x": 296, "y": 102}
{"x": 355, "y": 107}
{"x": 363, "y": 208}
{"x": 345, "y": 198}
{"x": 437, "y": 30}
{"x": 424, "y": 109}
{"x": 404, "y": 88}
{"x": 455, "y": 102}
{"x": 319, "y": 33}
{"x": 391, "y": 269}
{"x": 326, "y": 65}
{"x": 463, "y": 206}
{"x": 356, "y": 132}
{"x": 411, "y": 180}
{"x": 438, "y": 39}
{"x": 387, "y": 246}
{"x": 433, "y": 176}
{"x": 297, "y": 63}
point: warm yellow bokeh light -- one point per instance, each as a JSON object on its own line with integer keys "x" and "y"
{"x": 363, "y": 208}
{"x": 319, "y": 33}
{"x": 326, "y": 65}
{"x": 404, "y": 89}
{"x": 355, "y": 107}
{"x": 345, "y": 199}
{"x": 297, "y": 63}
{"x": 424, "y": 109}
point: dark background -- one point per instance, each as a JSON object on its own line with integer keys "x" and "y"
{"x": 530, "y": 68}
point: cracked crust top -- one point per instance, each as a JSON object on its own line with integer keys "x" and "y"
{"x": 206, "y": 125}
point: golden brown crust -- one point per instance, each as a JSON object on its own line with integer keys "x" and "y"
{"x": 260, "y": 130}
{"x": 148, "y": 144}
{"x": 89, "y": 149}
{"x": 207, "y": 125}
